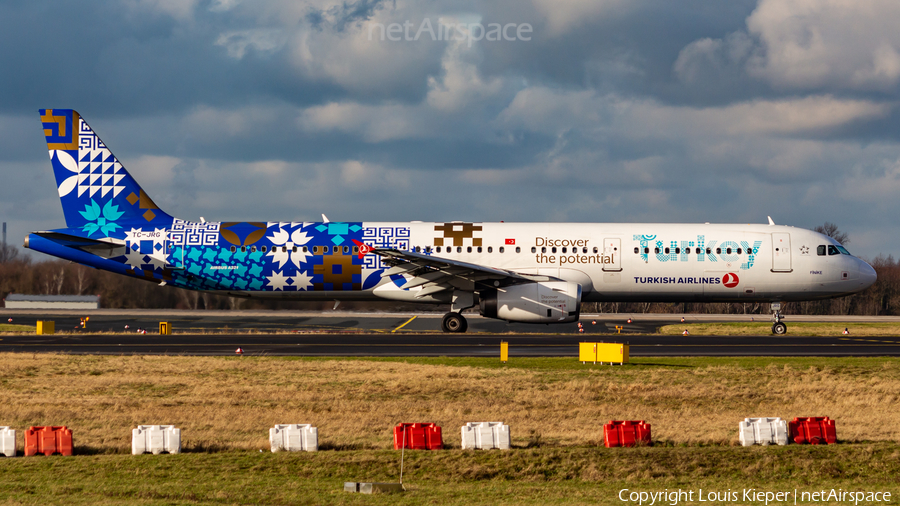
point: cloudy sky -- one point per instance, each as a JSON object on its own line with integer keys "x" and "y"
{"x": 584, "y": 110}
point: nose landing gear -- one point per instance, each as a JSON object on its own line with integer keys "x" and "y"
{"x": 778, "y": 327}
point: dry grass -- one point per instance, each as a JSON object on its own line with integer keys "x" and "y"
{"x": 764, "y": 327}
{"x": 229, "y": 403}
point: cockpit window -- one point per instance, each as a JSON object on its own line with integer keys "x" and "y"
{"x": 832, "y": 250}
{"x": 843, "y": 250}
{"x": 821, "y": 250}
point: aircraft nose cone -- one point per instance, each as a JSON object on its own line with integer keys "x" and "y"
{"x": 867, "y": 275}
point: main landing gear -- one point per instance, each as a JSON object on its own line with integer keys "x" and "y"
{"x": 454, "y": 322}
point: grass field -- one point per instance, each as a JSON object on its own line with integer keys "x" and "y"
{"x": 794, "y": 328}
{"x": 555, "y": 407}
{"x": 9, "y": 327}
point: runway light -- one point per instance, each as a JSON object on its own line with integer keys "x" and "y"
{"x": 239, "y": 351}
{"x": 593, "y": 322}
{"x": 10, "y": 320}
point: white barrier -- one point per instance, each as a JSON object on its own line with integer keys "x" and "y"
{"x": 155, "y": 439}
{"x": 485, "y": 436}
{"x": 7, "y": 441}
{"x": 294, "y": 438}
{"x": 764, "y": 431}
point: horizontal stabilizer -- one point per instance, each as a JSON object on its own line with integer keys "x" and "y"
{"x": 104, "y": 246}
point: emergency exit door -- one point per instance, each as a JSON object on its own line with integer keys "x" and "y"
{"x": 612, "y": 254}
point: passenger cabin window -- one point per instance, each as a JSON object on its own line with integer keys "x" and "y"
{"x": 553, "y": 249}
{"x": 479, "y": 249}
{"x": 459, "y": 249}
{"x": 677, "y": 251}
{"x": 637, "y": 250}
{"x": 437, "y": 248}
{"x": 233, "y": 249}
{"x": 519, "y": 250}
{"x": 584, "y": 250}
{"x": 656, "y": 250}
{"x": 646, "y": 250}
{"x": 533, "y": 249}
{"x": 355, "y": 250}
{"x": 697, "y": 251}
{"x": 243, "y": 249}
{"x": 501, "y": 249}
{"x": 490, "y": 249}
{"x": 718, "y": 251}
{"x": 468, "y": 249}
{"x": 543, "y": 249}
{"x": 595, "y": 249}
{"x": 347, "y": 249}
{"x": 728, "y": 250}
{"x": 667, "y": 251}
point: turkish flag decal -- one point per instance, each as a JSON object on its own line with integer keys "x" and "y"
{"x": 510, "y": 241}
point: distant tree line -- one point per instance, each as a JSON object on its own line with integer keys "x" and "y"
{"x": 19, "y": 274}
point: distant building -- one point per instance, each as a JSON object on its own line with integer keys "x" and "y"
{"x": 20, "y": 301}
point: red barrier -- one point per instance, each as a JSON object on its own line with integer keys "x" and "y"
{"x": 813, "y": 430}
{"x": 626, "y": 433}
{"x": 48, "y": 440}
{"x": 419, "y": 436}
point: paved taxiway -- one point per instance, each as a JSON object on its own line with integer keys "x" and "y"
{"x": 363, "y": 334}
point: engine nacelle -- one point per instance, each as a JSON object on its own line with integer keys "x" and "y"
{"x": 545, "y": 302}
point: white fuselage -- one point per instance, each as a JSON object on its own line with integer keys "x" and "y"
{"x": 639, "y": 262}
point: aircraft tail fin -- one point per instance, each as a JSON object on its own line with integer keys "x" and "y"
{"x": 96, "y": 192}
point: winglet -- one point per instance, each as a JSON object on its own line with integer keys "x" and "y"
{"x": 325, "y": 218}
{"x": 770, "y": 220}
{"x": 364, "y": 248}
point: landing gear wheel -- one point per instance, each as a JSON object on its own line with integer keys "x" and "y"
{"x": 779, "y": 328}
{"x": 454, "y": 322}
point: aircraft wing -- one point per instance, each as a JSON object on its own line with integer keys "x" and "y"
{"x": 437, "y": 274}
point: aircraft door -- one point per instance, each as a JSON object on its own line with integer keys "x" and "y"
{"x": 612, "y": 254}
{"x": 175, "y": 249}
{"x": 781, "y": 252}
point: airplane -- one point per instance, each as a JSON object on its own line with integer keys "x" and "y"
{"x": 518, "y": 272}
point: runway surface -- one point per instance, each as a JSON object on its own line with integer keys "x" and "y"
{"x": 414, "y": 344}
{"x": 354, "y": 334}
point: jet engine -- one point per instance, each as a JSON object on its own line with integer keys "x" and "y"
{"x": 538, "y": 302}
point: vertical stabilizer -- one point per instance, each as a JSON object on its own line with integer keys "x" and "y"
{"x": 97, "y": 194}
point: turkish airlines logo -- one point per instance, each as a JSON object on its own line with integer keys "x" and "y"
{"x": 730, "y": 280}
{"x": 364, "y": 249}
